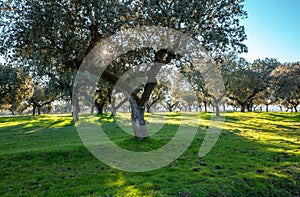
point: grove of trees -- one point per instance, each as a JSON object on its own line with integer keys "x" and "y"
{"x": 49, "y": 40}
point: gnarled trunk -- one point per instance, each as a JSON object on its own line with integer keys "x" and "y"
{"x": 138, "y": 120}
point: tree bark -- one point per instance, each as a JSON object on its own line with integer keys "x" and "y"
{"x": 249, "y": 107}
{"x": 49, "y": 109}
{"x": 205, "y": 106}
{"x": 217, "y": 110}
{"x": 170, "y": 108}
{"x": 99, "y": 107}
{"x": 243, "y": 107}
{"x": 138, "y": 120}
{"x": 148, "y": 109}
{"x": 115, "y": 108}
{"x": 12, "y": 112}
{"x": 92, "y": 109}
{"x": 33, "y": 111}
{"x": 267, "y": 108}
{"x": 76, "y": 109}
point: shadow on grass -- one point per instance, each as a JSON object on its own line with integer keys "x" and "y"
{"x": 27, "y": 124}
{"x": 237, "y": 166}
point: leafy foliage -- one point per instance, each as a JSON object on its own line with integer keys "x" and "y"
{"x": 286, "y": 80}
{"x": 15, "y": 88}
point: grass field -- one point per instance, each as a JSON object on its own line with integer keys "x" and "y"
{"x": 257, "y": 154}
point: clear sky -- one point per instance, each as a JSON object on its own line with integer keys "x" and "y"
{"x": 273, "y": 30}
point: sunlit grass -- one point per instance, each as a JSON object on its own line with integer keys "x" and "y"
{"x": 257, "y": 154}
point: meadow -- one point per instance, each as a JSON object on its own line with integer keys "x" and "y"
{"x": 257, "y": 154}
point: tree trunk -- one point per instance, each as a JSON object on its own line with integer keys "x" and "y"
{"x": 295, "y": 107}
{"x": 49, "y": 109}
{"x": 92, "y": 109}
{"x": 243, "y": 107}
{"x": 249, "y": 107}
{"x": 76, "y": 109}
{"x": 138, "y": 120}
{"x": 115, "y": 108}
{"x": 267, "y": 108}
{"x": 39, "y": 110}
{"x": 12, "y": 112}
{"x": 170, "y": 107}
{"x": 205, "y": 106}
{"x": 148, "y": 108}
{"x": 217, "y": 110}
{"x": 33, "y": 111}
{"x": 99, "y": 107}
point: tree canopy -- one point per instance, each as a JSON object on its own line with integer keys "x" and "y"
{"x": 16, "y": 88}
{"x": 51, "y": 38}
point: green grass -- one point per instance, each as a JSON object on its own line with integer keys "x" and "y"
{"x": 257, "y": 154}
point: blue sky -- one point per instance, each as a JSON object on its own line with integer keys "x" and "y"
{"x": 273, "y": 29}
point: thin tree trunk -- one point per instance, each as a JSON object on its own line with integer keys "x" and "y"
{"x": 148, "y": 108}
{"x": 267, "y": 108}
{"x": 115, "y": 108}
{"x": 205, "y": 106}
{"x": 12, "y": 112}
{"x": 295, "y": 107}
{"x": 217, "y": 110}
{"x": 33, "y": 111}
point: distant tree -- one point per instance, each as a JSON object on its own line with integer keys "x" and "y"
{"x": 264, "y": 68}
{"x": 15, "y": 88}
{"x": 41, "y": 97}
{"x": 199, "y": 86}
{"x": 286, "y": 84}
{"x": 157, "y": 96}
{"x": 170, "y": 103}
{"x": 242, "y": 83}
{"x": 102, "y": 96}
